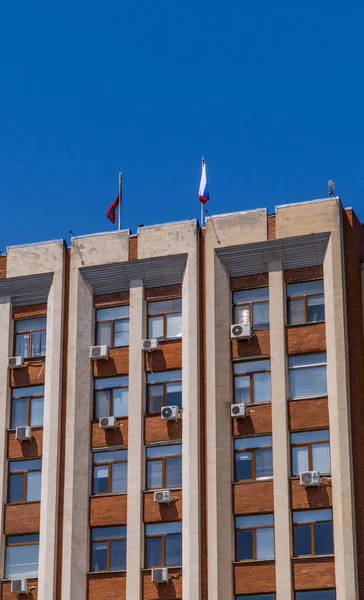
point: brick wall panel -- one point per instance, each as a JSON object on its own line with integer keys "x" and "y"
{"x": 22, "y": 518}
{"x": 310, "y": 498}
{"x": 306, "y": 338}
{"x": 163, "y": 292}
{"x": 169, "y": 356}
{"x": 100, "y": 438}
{"x": 31, "y": 449}
{"x": 7, "y": 595}
{"x": 108, "y": 510}
{"x": 30, "y": 312}
{"x": 303, "y": 274}
{"x": 308, "y": 414}
{"x": 106, "y": 586}
{"x": 118, "y": 364}
{"x": 254, "y": 578}
{"x": 313, "y": 573}
{"x": 257, "y": 421}
{"x": 154, "y": 512}
{"x": 3, "y": 267}
{"x": 32, "y": 373}
{"x": 256, "y": 497}
{"x": 248, "y": 282}
{"x": 157, "y": 430}
{"x": 271, "y": 227}
{"x": 169, "y": 591}
{"x": 259, "y": 345}
{"x": 133, "y": 248}
{"x": 116, "y": 299}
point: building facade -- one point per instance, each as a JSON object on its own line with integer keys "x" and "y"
{"x": 85, "y": 452}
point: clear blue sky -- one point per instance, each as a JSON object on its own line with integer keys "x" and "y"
{"x": 271, "y": 93}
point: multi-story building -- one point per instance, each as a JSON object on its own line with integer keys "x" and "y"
{"x": 263, "y": 500}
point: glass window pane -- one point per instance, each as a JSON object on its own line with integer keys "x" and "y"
{"x": 164, "y": 527}
{"x": 304, "y": 360}
{"x": 173, "y": 550}
{"x": 174, "y": 394}
{"x": 320, "y": 435}
{"x": 103, "y": 333}
{"x": 170, "y": 450}
{"x": 164, "y": 376}
{"x": 251, "y": 295}
{"x": 316, "y": 595}
{"x": 119, "y": 482}
{"x": 38, "y": 343}
{"x": 25, "y": 465}
{"x": 263, "y": 463}
{"x": 250, "y": 366}
{"x": 21, "y": 562}
{"x": 321, "y": 457}
{"x": 315, "y": 309}
{"x": 173, "y": 472}
{"x": 155, "y": 327}
{"x": 244, "y": 545}
{"x": 117, "y": 555}
{"x": 19, "y": 413}
{"x": 99, "y": 556}
{"x": 113, "y": 312}
{"x": 242, "y": 390}
{"x": 302, "y": 540}
{"x": 109, "y": 456}
{"x": 101, "y": 479}
{"x": 16, "y": 488}
{"x": 308, "y": 516}
{"x": 299, "y": 460}
{"x": 261, "y": 315}
{"x": 153, "y": 552}
{"x": 163, "y": 306}
{"x": 102, "y": 533}
{"x": 121, "y": 333}
{"x": 111, "y": 382}
{"x": 305, "y": 287}
{"x": 261, "y": 384}
{"x": 30, "y": 324}
{"x": 253, "y": 442}
{"x": 254, "y": 521}
{"x": 308, "y": 382}
{"x": 324, "y": 541}
{"x": 22, "y": 345}
{"x": 242, "y": 313}
{"x": 296, "y": 311}
{"x": 265, "y": 543}
{"x": 154, "y": 474}
{"x": 36, "y": 412}
{"x": 155, "y": 398}
{"x": 120, "y": 402}
{"x": 174, "y": 325}
{"x": 102, "y": 404}
{"x": 34, "y": 484}
{"x": 25, "y": 392}
{"x": 244, "y": 468}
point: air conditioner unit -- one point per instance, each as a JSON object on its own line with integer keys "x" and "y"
{"x": 15, "y": 362}
{"x": 23, "y": 433}
{"x": 170, "y": 413}
{"x": 310, "y": 478}
{"x": 163, "y": 497}
{"x": 238, "y": 410}
{"x": 160, "y": 575}
{"x": 99, "y": 352}
{"x": 150, "y": 345}
{"x": 19, "y": 586}
{"x": 241, "y": 331}
{"x": 107, "y": 422}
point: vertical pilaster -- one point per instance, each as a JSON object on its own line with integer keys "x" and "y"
{"x": 136, "y": 459}
{"x": 282, "y": 513}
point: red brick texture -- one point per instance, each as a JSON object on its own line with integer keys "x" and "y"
{"x": 154, "y": 512}
{"x": 271, "y": 227}
{"x": 166, "y": 591}
{"x": 157, "y": 430}
{"x": 3, "y": 267}
{"x": 29, "y": 312}
{"x": 306, "y": 338}
{"x": 257, "y": 422}
{"x": 303, "y": 274}
{"x": 259, "y": 345}
{"x": 255, "y": 577}
{"x": 308, "y": 414}
{"x": 22, "y": 518}
{"x": 312, "y": 497}
{"x": 169, "y": 356}
{"x": 256, "y": 497}
{"x": 7, "y": 595}
{"x": 108, "y": 510}
{"x": 106, "y": 586}
{"x": 133, "y": 248}
{"x": 163, "y": 292}
{"x": 313, "y": 573}
{"x": 118, "y": 364}
{"x": 248, "y": 282}
{"x": 117, "y": 299}
{"x": 32, "y": 373}
{"x": 100, "y": 438}
{"x": 31, "y": 449}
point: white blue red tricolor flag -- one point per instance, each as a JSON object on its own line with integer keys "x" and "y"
{"x": 203, "y": 192}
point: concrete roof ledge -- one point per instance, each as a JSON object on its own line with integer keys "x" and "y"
{"x": 328, "y": 199}
{"x": 238, "y": 212}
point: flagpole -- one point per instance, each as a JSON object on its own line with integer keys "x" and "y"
{"x": 120, "y": 199}
{"x": 202, "y": 206}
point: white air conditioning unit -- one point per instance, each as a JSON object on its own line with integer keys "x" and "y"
{"x": 163, "y": 497}
{"x": 99, "y": 352}
{"x": 150, "y": 345}
{"x": 241, "y": 331}
{"x": 310, "y": 478}
{"x": 160, "y": 575}
{"x": 170, "y": 413}
{"x": 15, "y": 362}
{"x": 23, "y": 434}
{"x": 19, "y": 586}
{"x": 107, "y": 422}
{"x": 238, "y": 410}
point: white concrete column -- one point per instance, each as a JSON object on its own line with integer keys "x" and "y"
{"x": 51, "y": 441}
{"x": 6, "y": 338}
{"x": 219, "y": 459}
{"x": 136, "y": 458}
{"x": 77, "y": 460}
{"x": 191, "y": 559}
{"x": 339, "y": 415}
{"x": 280, "y": 434}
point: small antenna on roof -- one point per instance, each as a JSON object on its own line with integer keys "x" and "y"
{"x": 213, "y": 226}
{"x": 331, "y": 187}
{"x": 78, "y": 248}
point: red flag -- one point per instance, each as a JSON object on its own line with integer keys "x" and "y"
{"x": 111, "y": 211}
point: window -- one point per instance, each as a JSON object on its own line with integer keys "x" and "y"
{"x": 252, "y": 305}
{"x": 312, "y": 530}
{"x": 164, "y": 467}
{"x": 25, "y": 478}
{"x": 27, "y": 406}
{"x": 253, "y": 458}
{"x": 111, "y": 397}
{"x": 310, "y": 451}
{"x": 163, "y": 545}
{"x": 110, "y": 471}
{"x": 21, "y": 558}
{"x": 306, "y": 302}
{"x": 112, "y": 326}
{"x": 257, "y": 597}
{"x": 316, "y": 595}
{"x": 254, "y": 537}
{"x": 108, "y": 548}
{"x": 164, "y": 389}
{"x": 165, "y": 319}
{"x": 30, "y": 337}
{"x": 252, "y": 381}
{"x": 307, "y": 375}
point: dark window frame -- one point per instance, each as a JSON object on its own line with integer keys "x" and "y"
{"x": 164, "y": 384}
{"x": 312, "y": 536}
{"x": 252, "y": 450}
{"x": 109, "y": 464}
{"x": 117, "y": 387}
{"x": 164, "y": 314}
{"x": 305, "y": 305}
{"x": 112, "y": 321}
{"x": 163, "y": 459}
{"x": 250, "y": 305}
{"x": 29, "y": 410}
{"x": 251, "y": 375}
{"x": 107, "y": 540}
{"x": 25, "y": 481}
{"x": 30, "y": 333}
{"x": 163, "y": 537}
{"x": 307, "y": 445}
{"x": 254, "y": 530}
